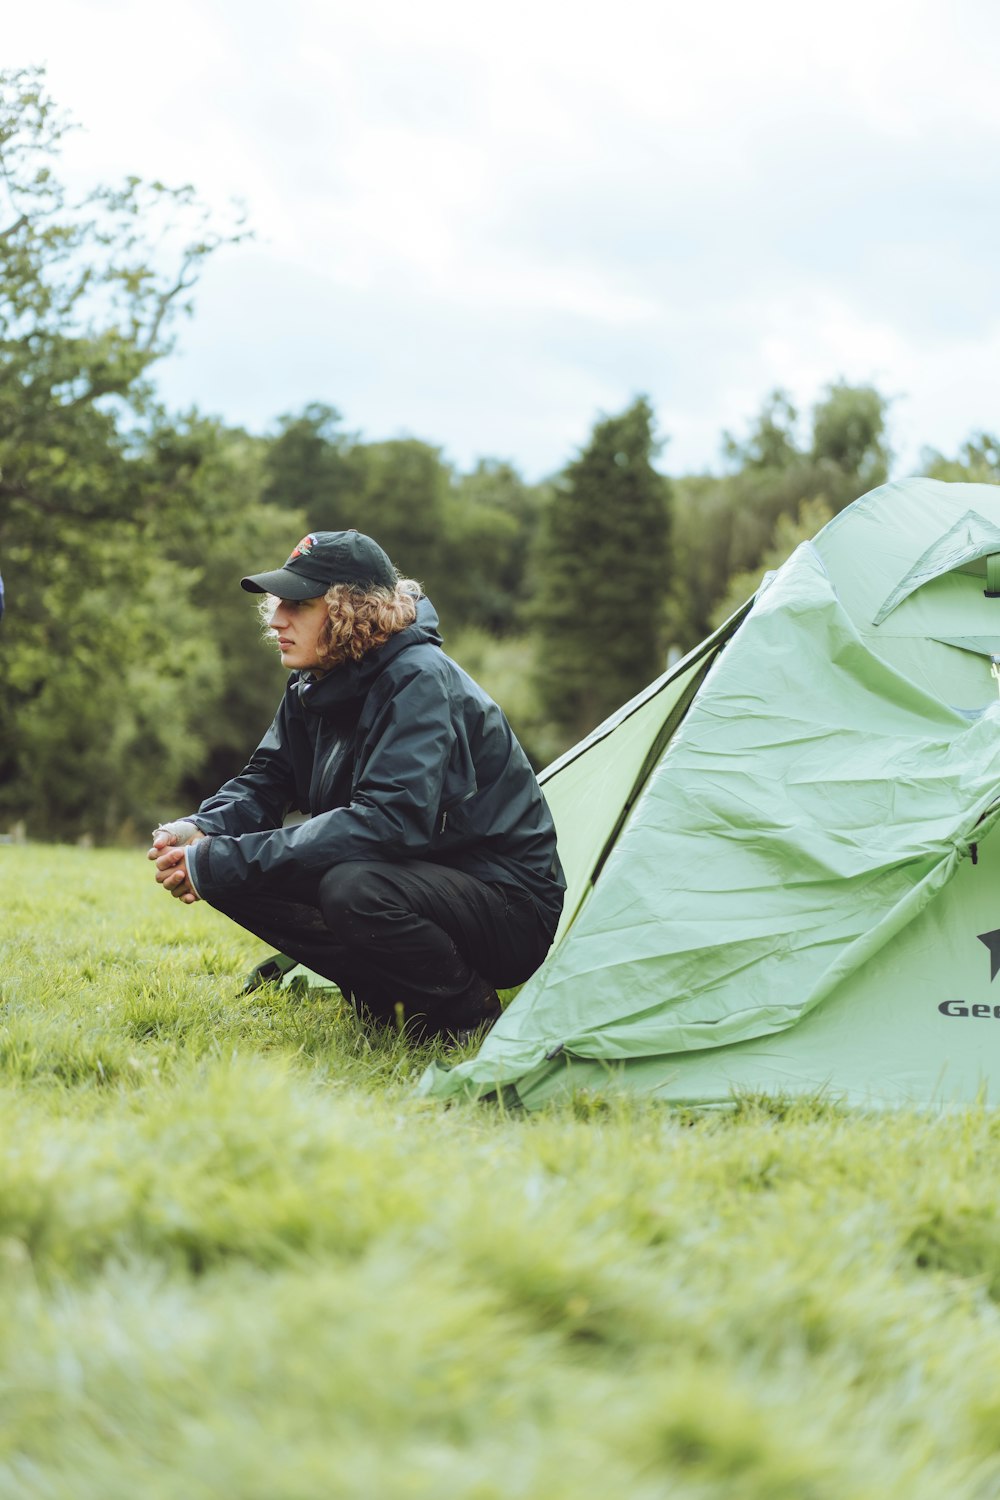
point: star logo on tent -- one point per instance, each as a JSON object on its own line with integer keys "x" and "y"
{"x": 992, "y": 941}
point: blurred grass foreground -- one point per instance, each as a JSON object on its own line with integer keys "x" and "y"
{"x": 239, "y": 1257}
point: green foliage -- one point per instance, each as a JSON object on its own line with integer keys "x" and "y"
{"x": 978, "y": 461}
{"x": 491, "y": 524}
{"x": 505, "y": 667}
{"x": 307, "y": 467}
{"x": 238, "y": 1256}
{"x": 770, "y": 445}
{"x": 602, "y": 572}
{"x": 96, "y": 747}
{"x": 402, "y": 496}
{"x": 724, "y": 526}
{"x": 396, "y": 490}
{"x": 848, "y": 440}
{"x": 209, "y": 480}
{"x": 465, "y": 537}
{"x": 788, "y": 533}
{"x": 102, "y": 502}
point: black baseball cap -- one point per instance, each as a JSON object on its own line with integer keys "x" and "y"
{"x": 323, "y": 558}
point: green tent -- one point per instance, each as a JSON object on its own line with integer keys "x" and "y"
{"x": 781, "y": 875}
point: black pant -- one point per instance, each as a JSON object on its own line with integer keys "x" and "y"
{"x": 416, "y": 934}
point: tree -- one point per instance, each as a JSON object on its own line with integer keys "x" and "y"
{"x": 602, "y": 569}
{"x": 491, "y": 519}
{"x": 209, "y": 480}
{"x": 465, "y": 536}
{"x": 849, "y": 444}
{"x": 770, "y": 445}
{"x": 404, "y": 488}
{"x": 724, "y": 525}
{"x": 308, "y": 466}
{"x": 98, "y": 712}
{"x": 978, "y": 461}
{"x": 788, "y": 534}
{"x": 396, "y": 490}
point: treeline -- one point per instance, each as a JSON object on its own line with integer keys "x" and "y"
{"x": 132, "y": 675}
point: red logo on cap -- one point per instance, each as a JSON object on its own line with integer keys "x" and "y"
{"x": 304, "y": 547}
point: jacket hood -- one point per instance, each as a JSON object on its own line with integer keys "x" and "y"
{"x": 353, "y": 679}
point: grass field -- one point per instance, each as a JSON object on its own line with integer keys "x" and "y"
{"x": 239, "y": 1258}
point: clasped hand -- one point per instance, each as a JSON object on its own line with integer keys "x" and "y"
{"x": 171, "y": 865}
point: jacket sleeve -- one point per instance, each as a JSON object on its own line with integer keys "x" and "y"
{"x": 394, "y": 808}
{"x": 262, "y": 793}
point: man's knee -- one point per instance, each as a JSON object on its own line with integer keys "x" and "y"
{"x": 349, "y": 891}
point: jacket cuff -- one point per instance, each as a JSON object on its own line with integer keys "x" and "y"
{"x": 190, "y": 862}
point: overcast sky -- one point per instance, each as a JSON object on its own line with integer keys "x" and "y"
{"x": 484, "y": 225}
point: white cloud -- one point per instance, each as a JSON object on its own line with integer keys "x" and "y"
{"x": 486, "y": 225}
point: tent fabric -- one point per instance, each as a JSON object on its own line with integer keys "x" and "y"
{"x": 966, "y": 546}
{"x": 809, "y": 825}
{"x": 604, "y": 772}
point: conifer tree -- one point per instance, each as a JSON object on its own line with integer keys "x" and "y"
{"x": 602, "y": 574}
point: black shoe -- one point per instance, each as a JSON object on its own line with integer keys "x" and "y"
{"x": 271, "y": 971}
{"x": 474, "y": 1020}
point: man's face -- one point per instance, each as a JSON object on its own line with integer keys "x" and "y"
{"x": 297, "y": 624}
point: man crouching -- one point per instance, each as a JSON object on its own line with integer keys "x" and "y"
{"x": 426, "y": 874}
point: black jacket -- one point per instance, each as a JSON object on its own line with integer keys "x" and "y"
{"x": 398, "y": 756}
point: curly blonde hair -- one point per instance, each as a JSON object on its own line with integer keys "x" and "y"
{"x": 360, "y": 619}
